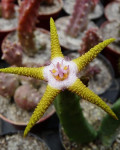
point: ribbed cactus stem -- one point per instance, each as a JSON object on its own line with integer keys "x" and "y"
{"x": 28, "y": 15}
{"x": 8, "y": 9}
{"x": 91, "y": 38}
{"x": 26, "y": 25}
{"x": 71, "y": 117}
{"x": 79, "y": 19}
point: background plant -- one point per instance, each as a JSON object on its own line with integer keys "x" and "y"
{"x": 7, "y": 8}
{"x": 79, "y": 19}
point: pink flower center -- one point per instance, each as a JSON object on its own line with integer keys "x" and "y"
{"x": 60, "y": 72}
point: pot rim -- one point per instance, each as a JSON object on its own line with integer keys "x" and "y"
{"x": 16, "y": 123}
{"x": 15, "y": 30}
{"x": 9, "y": 30}
{"x": 64, "y": 46}
{"x": 55, "y": 12}
{"x": 106, "y": 7}
{"x": 108, "y": 47}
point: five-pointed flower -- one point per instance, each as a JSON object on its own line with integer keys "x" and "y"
{"x": 61, "y": 74}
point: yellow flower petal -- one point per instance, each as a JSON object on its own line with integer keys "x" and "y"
{"x": 55, "y": 46}
{"x": 79, "y": 88}
{"x": 25, "y": 71}
{"x": 44, "y": 103}
{"x": 91, "y": 54}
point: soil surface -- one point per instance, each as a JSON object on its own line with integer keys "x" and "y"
{"x": 42, "y": 43}
{"x": 49, "y": 9}
{"x": 18, "y": 142}
{"x": 94, "y": 115}
{"x": 11, "y": 111}
{"x": 107, "y": 30}
{"x": 101, "y": 81}
{"x": 8, "y": 108}
{"x": 69, "y": 5}
{"x": 9, "y": 24}
{"x": 112, "y": 11}
{"x": 67, "y": 41}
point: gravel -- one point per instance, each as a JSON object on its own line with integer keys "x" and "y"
{"x": 18, "y": 142}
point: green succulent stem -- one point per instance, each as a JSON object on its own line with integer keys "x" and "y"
{"x": 71, "y": 118}
{"x": 109, "y": 126}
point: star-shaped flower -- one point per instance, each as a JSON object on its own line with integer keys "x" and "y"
{"x": 61, "y": 74}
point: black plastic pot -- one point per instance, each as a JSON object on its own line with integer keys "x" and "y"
{"x": 112, "y": 93}
{"x": 48, "y": 130}
{"x": 31, "y": 138}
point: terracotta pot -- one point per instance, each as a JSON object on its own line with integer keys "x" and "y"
{"x": 44, "y": 17}
{"x": 22, "y": 125}
{"x": 12, "y": 114}
{"x": 4, "y": 32}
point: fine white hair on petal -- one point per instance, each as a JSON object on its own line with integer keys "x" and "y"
{"x": 65, "y": 83}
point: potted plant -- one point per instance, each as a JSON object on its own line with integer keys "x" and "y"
{"x": 61, "y": 74}
{"x": 27, "y": 44}
{"x": 47, "y": 9}
{"x": 100, "y": 75}
{"x": 16, "y": 108}
{"x": 99, "y": 69}
{"x": 97, "y": 8}
{"x": 72, "y": 28}
{"x": 8, "y": 17}
{"x": 95, "y": 70}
